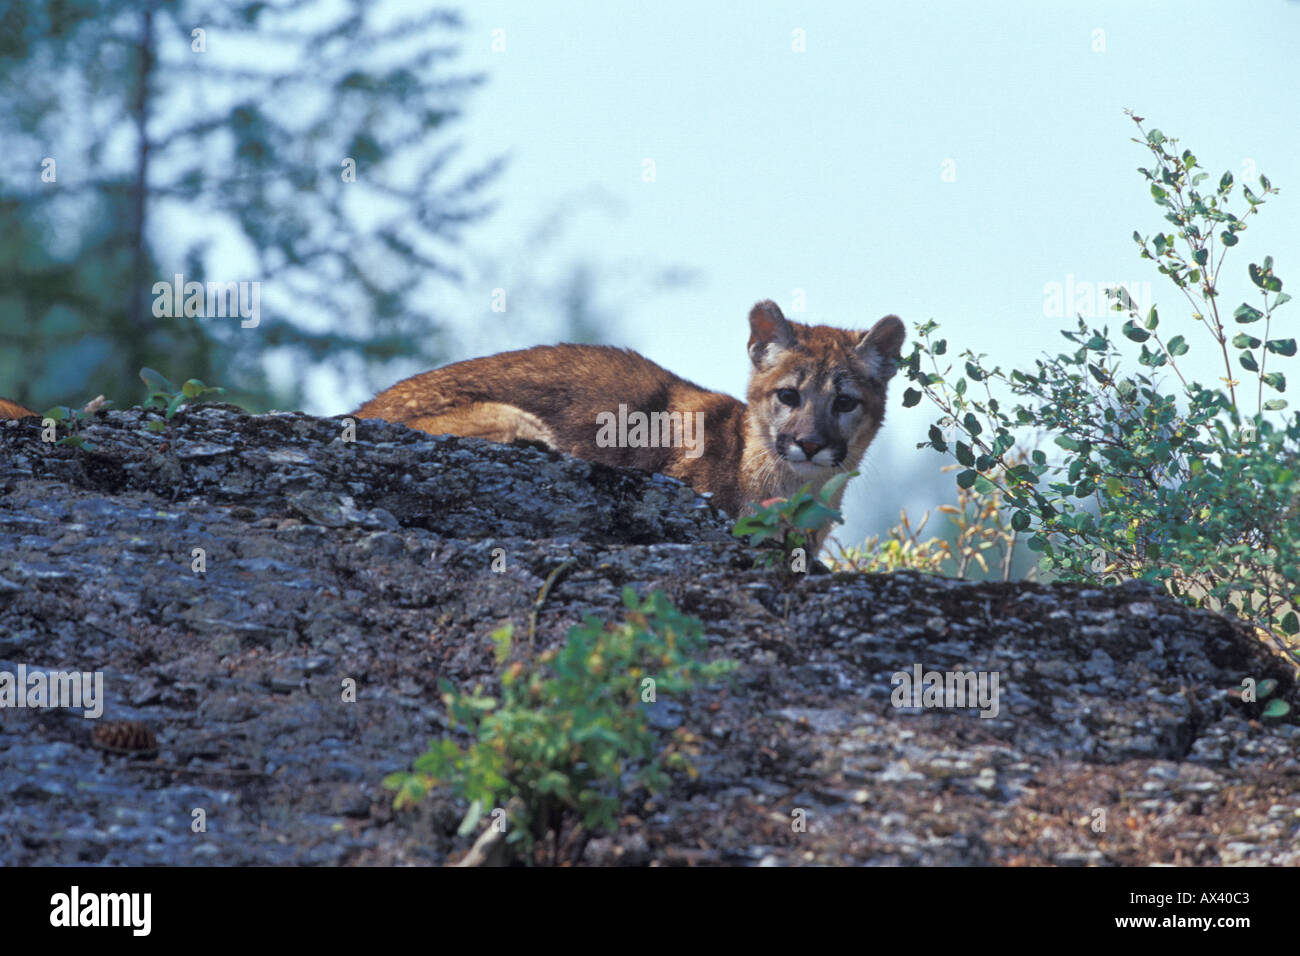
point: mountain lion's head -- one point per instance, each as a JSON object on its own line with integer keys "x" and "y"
{"x": 817, "y": 394}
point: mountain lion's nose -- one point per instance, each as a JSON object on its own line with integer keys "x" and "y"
{"x": 809, "y": 447}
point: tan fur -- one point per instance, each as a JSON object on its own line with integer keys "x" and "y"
{"x": 10, "y": 409}
{"x": 557, "y": 394}
{"x": 491, "y": 420}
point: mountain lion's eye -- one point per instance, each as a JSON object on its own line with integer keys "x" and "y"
{"x": 788, "y": 396}
{"x": 844, "y": 403}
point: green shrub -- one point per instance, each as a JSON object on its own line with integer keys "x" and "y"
{"x": 1162, "y": 478}
{"x": 780, "y": 527}
{"x": 569, "y": 736}
{"x": 168, "y": 398}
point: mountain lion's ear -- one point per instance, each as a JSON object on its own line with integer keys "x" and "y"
{"x": 769, "y": 333}
{"x": 881, "y": 348}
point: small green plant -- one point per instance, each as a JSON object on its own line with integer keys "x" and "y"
{"x": 169, "y": 398}
{"x": 780, "y": 526}
{"x": 568, "y": 738}
{"x": 1161, "y": 478}
{"x": 1275, "y": 709}
{"x": 73, "y": 418}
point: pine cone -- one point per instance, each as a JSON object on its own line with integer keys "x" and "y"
{"x": 124, "y": 736}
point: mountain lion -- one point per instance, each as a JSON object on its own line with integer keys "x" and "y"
{"x": 816, "y": 400}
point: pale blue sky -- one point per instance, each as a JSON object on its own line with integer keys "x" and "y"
{"x": 822, "y": 170}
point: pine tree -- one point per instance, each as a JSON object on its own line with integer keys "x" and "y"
{"x": 301, "y": 144}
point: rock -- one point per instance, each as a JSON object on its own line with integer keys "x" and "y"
{"x": 384, "y": 565}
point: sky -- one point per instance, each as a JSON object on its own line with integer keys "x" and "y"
{"x": 934, "y": 160}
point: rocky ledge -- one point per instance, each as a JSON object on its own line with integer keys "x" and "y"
{"x": 388, "y": 560}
